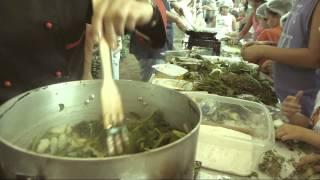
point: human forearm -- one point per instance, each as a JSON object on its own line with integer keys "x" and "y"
{"x": 171, "y": 16}
{"x": 246, "y": 27}
{"x": 300, "y": 120}
{"x": 311, "y": 138}
{"x": 302, "y": 57}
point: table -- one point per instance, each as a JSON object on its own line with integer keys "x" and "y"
{"x": 289, "y": 155}
{"x": 279, "y": 147}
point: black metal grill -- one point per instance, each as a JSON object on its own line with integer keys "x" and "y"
{"x": 202, "y": 35}
{"x": 204, "y": 39}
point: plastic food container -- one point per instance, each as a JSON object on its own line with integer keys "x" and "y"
{"x": 181, "y": 85}
{"x": 215, "y": 59}
{"x": 169, "y": 71}
{"x": 244, "y": 129}
{"x": 175, "y": 53}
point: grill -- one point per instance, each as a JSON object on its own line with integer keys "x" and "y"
{"x": 204, "y": 39}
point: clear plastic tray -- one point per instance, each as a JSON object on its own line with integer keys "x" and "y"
{"x": 244, "y": 116}
{"x": 169, "y": 71}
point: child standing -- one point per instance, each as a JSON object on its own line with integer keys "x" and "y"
{"x": 261, "y": 16}
{"x": 252, "y": 21}
{"x": 273, "y": 12}
{"x": 296, "y": 60}
{"x": 225, "y": 21}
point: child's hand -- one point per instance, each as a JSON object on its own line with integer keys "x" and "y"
{"x": 291, "y": 105}
{"x": 252, "y": 53}
{"x": 290, "y": 132}
{"x": 266, "y": 67}
{"x": 313, "y": 159}
{"x": 251, "y": 43}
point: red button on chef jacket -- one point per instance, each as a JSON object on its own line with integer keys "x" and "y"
{"x": 7, "y": 84}
{"x": 49, "y": 25}
{"x": 58, "y": 74}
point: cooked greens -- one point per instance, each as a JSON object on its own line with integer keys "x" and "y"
{"x": 271, "y": 164}
{"x": 231, "y": 79}
{"x": 87, "y": 138}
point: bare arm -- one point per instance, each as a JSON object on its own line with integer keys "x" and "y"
{"x": 311, "y": 138}
{"x": 246, "y": 27}
{"x": 300, "y": 120}
{"x": 301, "y": 57}
{"x": 171, "y": 16}
{"x": 292, "y": 132}
{"x": 234, "y": 24}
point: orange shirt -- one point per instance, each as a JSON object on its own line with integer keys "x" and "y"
{"x": 270, "y": 34}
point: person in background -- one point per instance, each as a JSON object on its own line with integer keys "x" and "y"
{"x": 147, "y": 56}
{"x": 262, "y": 16}
{"x": 183, "y": 10}
{"x": 198, "y": 15}
{"x": 296, "y": 60}
{"x": 252, "y": 21}
{"x": 225, "y": 21}
{"x": 210, "y": 8}
{"x": 191, "y": 17}
{"x": 273, "y": 11}
{"x": 229, "y": 3}
{"x": 238, "y": 9}
{"x": 262, "y": 20}
{"x": 243, "y": 14}
{"x": 239, "y": 6}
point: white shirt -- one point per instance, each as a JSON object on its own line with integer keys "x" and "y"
{"x": 224, "y": 23}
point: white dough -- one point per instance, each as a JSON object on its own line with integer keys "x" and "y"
{"x": 225, "y": 150}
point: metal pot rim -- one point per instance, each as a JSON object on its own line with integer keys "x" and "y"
{"x": 86, "y": 82}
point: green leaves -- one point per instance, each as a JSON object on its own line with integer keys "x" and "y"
{"x": 87, "y": 139}
{"x": 233, "y": 79}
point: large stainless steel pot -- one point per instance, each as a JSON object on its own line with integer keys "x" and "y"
{"x": 34, "y": 112}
